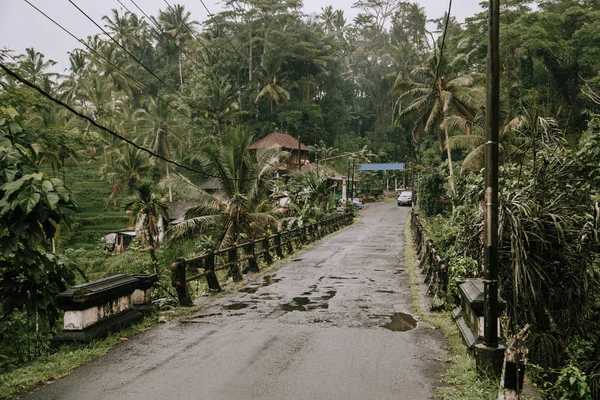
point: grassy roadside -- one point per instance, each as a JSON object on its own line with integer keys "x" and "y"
{"x": 460, "y": 381}
{"x": 54, "y": 366}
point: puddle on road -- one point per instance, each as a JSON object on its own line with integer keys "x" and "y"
{"x": 269, "y": 296}
{"x": 401, "y": 322}
{"x": 399, "y": 271}
{"x": 343, "y": 277}
{"x": 297, "y": 259}
{"x": 235, "y": 306}
{"x": 297, "y": 304}
{"x": 199, "y": 316}
{"x": 269, "y": 280}
{"x": 389, "y": 291}
{"x": 329, "y": 295}
{"x": 249, "y": 289}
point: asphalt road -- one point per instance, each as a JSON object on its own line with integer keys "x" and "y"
{"x": 333, "y": 322}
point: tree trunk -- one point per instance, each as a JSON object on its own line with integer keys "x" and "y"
{"x": 151, "y": 244}
{"x": 180, "y": 72}
{"x": 451, "y": 181}
{"x": 170, "y": 192}
{"x": 250, "y": 60}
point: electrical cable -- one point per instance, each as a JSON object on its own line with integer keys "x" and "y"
{"x": 97, "y": 125}
{"x": 127, "y": 75}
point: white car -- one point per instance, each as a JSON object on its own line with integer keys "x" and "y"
{"x": 404, "y": 198}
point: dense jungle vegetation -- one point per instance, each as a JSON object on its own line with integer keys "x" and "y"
{"x": 199, "y": 93}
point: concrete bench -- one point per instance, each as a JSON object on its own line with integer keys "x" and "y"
{"x": 94, "y": 309}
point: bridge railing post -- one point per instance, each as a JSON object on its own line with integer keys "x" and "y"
{"x": 250, "y": 251}
{"x": 266, "y": 244}
{"x": 211, "y": 276}
{"x": 278, "y": 248}
{"x": 178, "y": 281}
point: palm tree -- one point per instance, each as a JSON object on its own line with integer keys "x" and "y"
{"x": 327, "y": 18}
{"x": 147, "y": 208}
{"x": 126, "y": 171}
{"x": 525, "y": 129}
{"x": 33, "y": 65}
{"x": 438, "y": 90}
{"x": 163, "y": 128}
{"x": 220, "y": 103}
{"x": 241, "y": 206}
{"x": 273, "y": 93}
{"x": 126, "y": 29}
{"x": 176, "y": 23}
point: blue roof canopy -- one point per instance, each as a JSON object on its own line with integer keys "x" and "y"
{"x": 383, "y": 167}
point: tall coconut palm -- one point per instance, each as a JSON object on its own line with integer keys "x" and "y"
{"x": 439, "y": 89}
{"x": 34, "y": 66}
{"x": 126, "y": 28}
{"x": 220, "y": 101}
{"x": 147, "y": 207}
{"x": 126, "y": 170}
{"x": 163, "y": 128}
{"x": 241, "y": 206}
{"x": 273, "y": 93}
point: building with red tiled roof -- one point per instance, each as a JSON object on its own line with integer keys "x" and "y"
{"x": 298, "y": 151}
{"x": 281, "y": 139}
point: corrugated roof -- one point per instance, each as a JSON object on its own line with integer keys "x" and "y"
{"x": 281, "y": 139}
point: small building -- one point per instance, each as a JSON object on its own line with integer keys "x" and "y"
{"x": 123, "y": 240}
{"x": 298, "y": 158}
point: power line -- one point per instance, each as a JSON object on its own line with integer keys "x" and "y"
{"x": 128, "y": 52}
{"x": 162, "y": 32}
{"x": 224, "y": 34}
{"x": 193, "y": 34}
{"x": 97, "y": 125}
{"x": 140, "y": 84}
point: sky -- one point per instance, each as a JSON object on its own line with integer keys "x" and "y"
{"x": 21, "y": 26}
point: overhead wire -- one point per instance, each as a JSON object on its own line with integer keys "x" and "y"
{"x": 97, "y": 54}
{"x": 128, "y": 52}
{"x": 93, "y": 122}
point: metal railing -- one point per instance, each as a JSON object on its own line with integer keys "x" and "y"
{"x": 281, "y": 244}
{"x": 432, "y": 265}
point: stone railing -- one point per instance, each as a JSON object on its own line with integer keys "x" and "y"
{"x": 94, "y": 309}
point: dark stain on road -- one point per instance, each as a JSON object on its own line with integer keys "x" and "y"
{"x": 401, "y": 322}
{"x": 329, "y": 295}
{"x": 235, "y": 306}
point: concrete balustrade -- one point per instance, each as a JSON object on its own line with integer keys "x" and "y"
{"x": 96, "y": 308}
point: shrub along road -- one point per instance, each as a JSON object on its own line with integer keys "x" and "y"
{"x": 333, "y": 322}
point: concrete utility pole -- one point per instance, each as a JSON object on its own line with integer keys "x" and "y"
{"x": 491, "y": 178}
{"x": 490, "y": 354}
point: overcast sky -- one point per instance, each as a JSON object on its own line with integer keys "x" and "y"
{"x": 21, "y": 26}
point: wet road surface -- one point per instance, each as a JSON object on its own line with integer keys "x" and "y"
{"x": 333, "y": 322}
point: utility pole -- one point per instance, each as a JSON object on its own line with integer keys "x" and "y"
{"x": 490, "y": 354}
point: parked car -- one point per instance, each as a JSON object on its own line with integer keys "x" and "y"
{"x": 358, "y": 203}
{"x": 404, "y": 198}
